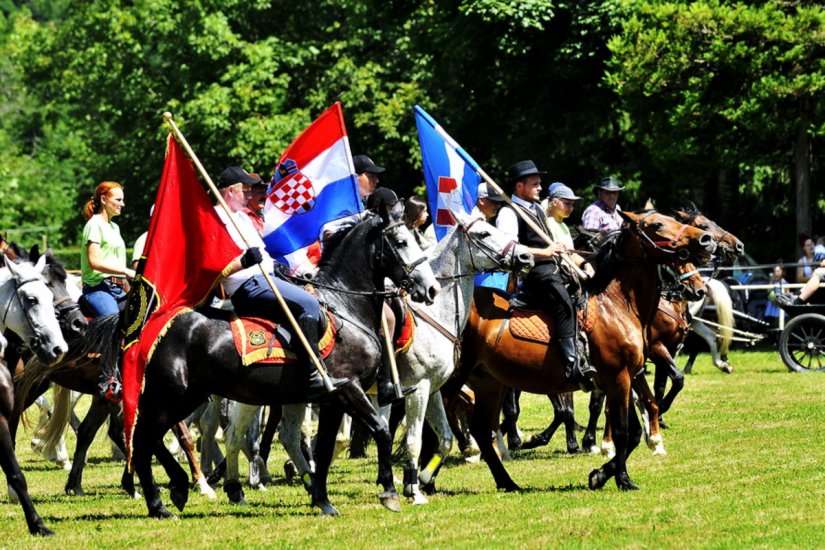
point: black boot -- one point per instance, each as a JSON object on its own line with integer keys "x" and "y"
{"x": 572, "y": 373}
{"x": 386, "y": 389}
{"x": 315, "y": 387}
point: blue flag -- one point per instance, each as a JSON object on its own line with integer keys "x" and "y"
{"x": 451, "y": 175}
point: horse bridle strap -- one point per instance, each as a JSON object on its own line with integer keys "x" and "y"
{"x": 16, "y": 294}
{"x": 424, "y": 316}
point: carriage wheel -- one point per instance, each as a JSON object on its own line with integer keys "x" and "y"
{"x": 802, "y": 343}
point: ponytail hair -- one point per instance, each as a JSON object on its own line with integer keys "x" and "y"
{"x": 95, "y": 204}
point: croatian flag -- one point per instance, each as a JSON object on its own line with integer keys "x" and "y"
{"x": 313, "y": 184}
{"x": 450, "y": 173}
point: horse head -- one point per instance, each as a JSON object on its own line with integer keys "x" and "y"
{"x": 668, "y": 240}
{"x": 72, "y": 322}
{"x": 727, "y": 244}
{"x": 28, "y": 311}
{"x": 402, "y": 260}
{"x": 686, "y": 282}
{"x": 490, "y": 249}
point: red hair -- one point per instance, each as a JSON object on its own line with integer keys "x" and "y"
{"x": 95, "y": 205}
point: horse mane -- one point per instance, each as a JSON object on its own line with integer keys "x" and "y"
{"x": 333, "y": 242}
{"x": 605, "y": 265}
{"x": 57, "y": 267}
{"x": 691, "y": 213}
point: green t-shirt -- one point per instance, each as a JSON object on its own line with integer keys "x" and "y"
{"x": 560, "y": 232}
{"x": 112, "y": 248}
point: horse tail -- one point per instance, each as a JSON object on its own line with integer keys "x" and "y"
{"x": 724, "y": 313}
{"x": 33, "y": 374}
{"x": 52, "y": 430}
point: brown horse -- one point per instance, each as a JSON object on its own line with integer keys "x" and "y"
{"x": 625, "y": 294}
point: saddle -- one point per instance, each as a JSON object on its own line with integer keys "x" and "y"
{"x": 537, "y": 326}
{"x": 261, "y": 341}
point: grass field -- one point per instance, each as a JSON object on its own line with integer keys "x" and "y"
{"x": 746, "y": 467}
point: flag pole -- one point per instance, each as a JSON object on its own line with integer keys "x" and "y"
{"x": 167, "y": 116}
{"x": 565, "y": 257}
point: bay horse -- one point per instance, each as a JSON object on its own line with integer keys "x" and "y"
{"x": 473, "y": 245}
{"x": 197, "y": 358}
{"x": 625, "y": 294}
{"x": 28, "y": 311}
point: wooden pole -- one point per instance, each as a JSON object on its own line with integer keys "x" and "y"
{"x": 291, "y": 318}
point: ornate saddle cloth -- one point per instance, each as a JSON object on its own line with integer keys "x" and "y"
{"x": 537, "y": 326}
{"x": 260, "y": 341}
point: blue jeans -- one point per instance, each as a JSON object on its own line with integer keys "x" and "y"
{"x": 103, "y": 299}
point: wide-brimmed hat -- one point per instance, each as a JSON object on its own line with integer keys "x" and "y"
{"x": 236, "y": 174}
{"x": 522, "y": 169}
{"x": 363, "y": 164}
{"x": 609, "y": 184}
{"x": 487, "y": 191}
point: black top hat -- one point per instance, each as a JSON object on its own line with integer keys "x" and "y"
{"x": 236, "y": 174}
{"x": 363, "y": 164}
{"x": 609, "y": 184}
{"x": 522, "y": 169}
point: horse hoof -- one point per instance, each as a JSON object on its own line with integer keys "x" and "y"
{"x": 574, "y": 450}
{"x": 659, "y": 450}
{"x": 595, "y": 450}
{"x": 290, "y": 471}
{"x": 626, "y": 485}
{"x": 40, "y": 530}
{"x": 205, "y": 489}
{"x": 73, "y": 492}
{"x": 532, "y": 442}
{"x": 390, "y": 501}
{"x": 161, "y": 513}
{"x": 428, "y": 488}
{"x": 179, "y": 497}
{"x": 596, "y": 480}
{"x": 419, "y": 499}
{"x": 327, "y": 509}
{"x": 67, "y": 466}
{"x": 511, "y": 488}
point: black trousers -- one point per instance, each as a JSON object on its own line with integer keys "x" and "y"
{"x": 546, "y": 288}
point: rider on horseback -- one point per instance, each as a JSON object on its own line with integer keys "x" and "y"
{"x": 247, "y": 287}
{"x": 544, "y": 283}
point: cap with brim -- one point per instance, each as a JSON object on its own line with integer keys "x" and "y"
{"x": 236, "y": 174}
{"x": 487, "y": 191}
{"x": 609, "y": 184}
{"x": 523, "y": 169}
{"x": 363, "y": 164}
{"x": 563, "y": 192}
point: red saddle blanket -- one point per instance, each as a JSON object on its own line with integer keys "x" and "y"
{"x": 257, "y": 343}
{"x": 405, "y": 333}
{"x": 537, "y": 326}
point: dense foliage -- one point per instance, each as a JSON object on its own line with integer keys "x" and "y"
{"x": 708, "y": 101}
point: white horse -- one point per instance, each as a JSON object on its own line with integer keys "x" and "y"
{"x": 717, "y": 291}
{"x": 472, "y": 246}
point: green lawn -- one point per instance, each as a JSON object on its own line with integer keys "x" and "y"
{"x": 744, "y": 468}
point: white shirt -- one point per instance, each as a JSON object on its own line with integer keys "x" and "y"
{"x": 507, "y": 219}
{"x": 233, "y": 282}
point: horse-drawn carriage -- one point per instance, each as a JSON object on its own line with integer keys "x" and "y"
{"x": 802, "y": 341}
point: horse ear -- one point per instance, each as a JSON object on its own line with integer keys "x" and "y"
{"x": 11, "y": 265}
{"x": 34, "y": 253}
{"x": 41, "y": 264}
{"x": 649, "y": 205}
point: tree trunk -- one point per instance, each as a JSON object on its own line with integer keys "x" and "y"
{"x": 802, "y": 174}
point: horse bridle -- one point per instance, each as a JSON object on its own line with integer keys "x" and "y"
{"x": 18, "y": 284}
{"x": 406, "y": 281}
{"x": 666, "y": 247}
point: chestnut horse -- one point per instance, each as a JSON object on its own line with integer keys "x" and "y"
{"x": 625, "y": 294}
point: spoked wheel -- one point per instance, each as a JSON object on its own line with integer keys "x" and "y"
{"x": 802, "y": 343}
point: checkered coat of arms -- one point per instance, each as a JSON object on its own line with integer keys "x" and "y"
{"x": 292, "y": 192}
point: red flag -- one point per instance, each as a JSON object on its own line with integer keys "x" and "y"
{"x": 187, "y": 251}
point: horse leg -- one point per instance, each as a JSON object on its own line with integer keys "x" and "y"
{"x": 484, "y": 424}
{"x": 8, "y": 460}
{"x": 178, "y": 480}
{"x": 147, "y": 437}
{"x": 654, "y": 438}
{"x": 258, "y": 474}
{"x": 98, "y": 412}
{"x": 127, "y": 479}
{"x": 184, "y": 438}
{"x": 677, "y": 382}
{"x": 594, "y": 410}
{"x": 619, "y": 411}
{"x": 272, "y": 421}
{"x": 442, "y": 434}
{"x": 292, "y": 417}
{"x": 416, "y": 404}
{"x": 511, "y": 411}
{"x": 211, "y": 455}
{"x": 329, "y": 421}
{"x": 241, "y": 417}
